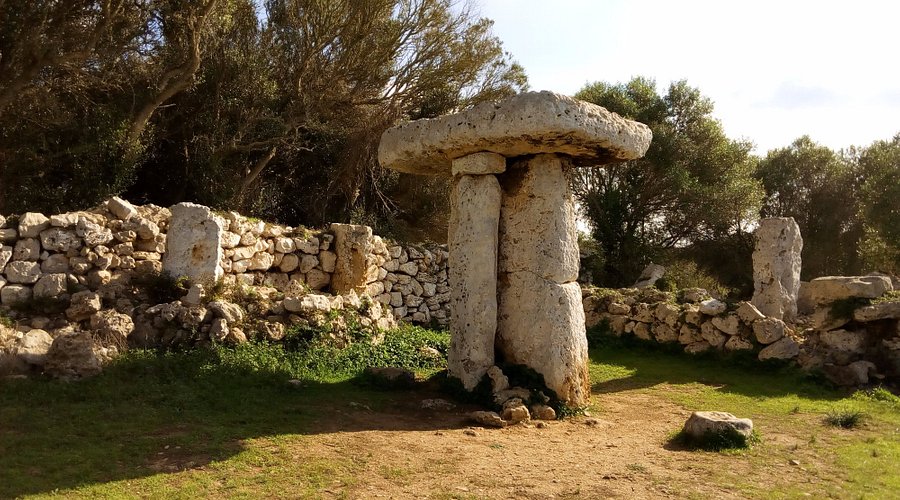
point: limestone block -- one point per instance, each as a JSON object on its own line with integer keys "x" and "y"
{"x": 884, "y": 310}
{"x": 748, "y": 313}
{"x": 768, "y": 330}
{"x": 14, "y": 294}
{"x": 33, "y": 347}
{"x": 72, "y": 356}
{"x": 69, "y": 219}
{"x": 712, "y": 335}
{"x": 83, "y": 306}
{"x": 712, "y": 307}
{"x": 92, "y": 233}
{"x": 230, "y": 240}
{"x": 479, "y": 164}
{"x": 310, "y": 245}
{"x": 289, "y": 263}
{"x": 528, "y": 123}
{"x": 318, "y": 280}
{"x": 50, "y": 285}
{"x": 728, "y": 324}
{"x": 23, "y": 272}
{"x": 776, "y": 267}
{"x": 827, "y": 289}
{"x": 703, "y": 423}
{"x": 352, "y": 244}
{"x": 27, "y": 249}
{"x": 261, "y": 261}
{"x": 738, "y": 344}
{"x": 541, "y": 325}
{"x": 473, "y": 244}
{"x": 193, "y": 243}
{"x": 308, "y": 263}
{"x": 786, "y": 348}
{"x": 537, "y": 220}
{"x": 6, "y": 254}
{"x": 327, "y": 261}
{"x": 60, "y": 240}
{"x": 121, "y": 208}
{"x": 31, "y": 224}
{"x": 843, "y": 340}
{"x": 663, "y": 332}
{"x": 649, "y": 276}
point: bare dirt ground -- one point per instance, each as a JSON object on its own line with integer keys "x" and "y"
{"x": 619, "y": 452}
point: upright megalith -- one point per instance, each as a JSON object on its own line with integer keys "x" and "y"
{"x": 193, "y": 243}
{"x": 353, "y": 267}
{"x": 513, "y": 245}
{"x": 472, "y": 239}
{"x": 776, "y": 267}
{"x": 539, "y": 298}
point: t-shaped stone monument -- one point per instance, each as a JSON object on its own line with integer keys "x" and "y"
{"x": 513, "y": 244}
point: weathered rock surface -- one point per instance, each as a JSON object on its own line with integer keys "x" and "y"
{"x": 713, "y": 307}
{"x": 472, "y": 239}
{"x": 72, "y": 356}
{"x": 786, "y": 348}
{"x": 649, "y": 276}
{"x": 193, "y": 246}
{"x": 537, "y": 221}
{"x": 528, "y": 123}
{"x": 487, "y": 419}
{"x": 703, "y": 423}
{"x": 33, "y": 347}
{"x": 352, "y": 245}
{"x": 541, "y": 325}
{"x": 776, "y": 267}
{"x": 479, "y": 164}
{"x": 875, "y": 312}
{"x": 768, "y": 330}
{"x": 827, "y": 289}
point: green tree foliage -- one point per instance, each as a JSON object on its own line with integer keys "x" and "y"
{"x": 819, "y": 189}
{"x": 694, "y": 185}
{"x": 879, "y": 172}
{"x": 272, "y": 108}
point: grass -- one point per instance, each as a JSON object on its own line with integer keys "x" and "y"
{"x": 788, "y": 408}
{"x": 226, "y": 423}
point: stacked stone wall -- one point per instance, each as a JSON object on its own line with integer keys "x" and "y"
{"x": 46, "y": 257}
{"x": 850, "y": 339}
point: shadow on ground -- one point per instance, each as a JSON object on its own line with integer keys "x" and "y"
{"x": 641, "y": 366}
{"x": 157, "y": 415}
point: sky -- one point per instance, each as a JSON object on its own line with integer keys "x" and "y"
{"x": 776, "y": 70}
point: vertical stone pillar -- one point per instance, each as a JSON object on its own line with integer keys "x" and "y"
{"x": 776, "y": 267}
{"x": 472, "y": 238}
{"x": 541, "y": 318}
{"x": 353, "y": 244}
{"x": 194, "y": 243}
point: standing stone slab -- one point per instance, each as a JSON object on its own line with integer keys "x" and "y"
{"x": 472, "y": 237}
{"x": 776, "y": 267}
{"x": 193, "y": 243}
{"x": 352, "y": 244}
{"x": 541, "y": 317}
{"x": 537, "y": 229}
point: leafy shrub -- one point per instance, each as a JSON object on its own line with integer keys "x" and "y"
{"x": 847, "y": 419}
{"x": 684, "y": 273}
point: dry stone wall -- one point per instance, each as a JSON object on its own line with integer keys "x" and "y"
{"x": 47, "y": 257}
{"x": 852, "y": 338}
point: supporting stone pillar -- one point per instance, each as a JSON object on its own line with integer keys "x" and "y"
{"x": 541, "y": 318}
{"x": 472, "y": 238}
{"x": 193, "y": 243}
{"x": 776, "y": 267}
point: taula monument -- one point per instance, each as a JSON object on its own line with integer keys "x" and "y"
{"x": 513, "y": 244}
